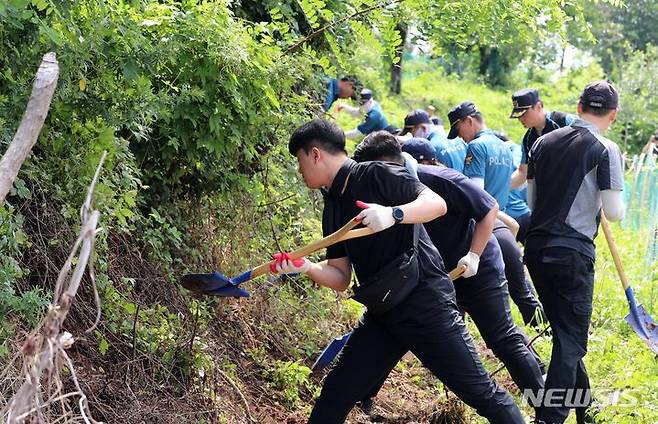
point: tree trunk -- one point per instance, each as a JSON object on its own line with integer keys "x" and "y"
{"x": 485, "y": 59}
{"x": 396, "y": 68}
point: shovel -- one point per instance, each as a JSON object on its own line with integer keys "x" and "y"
{"x": 336, "y": 345}
{"x": 638, "y": 318}
{"x": 217, "y": 284}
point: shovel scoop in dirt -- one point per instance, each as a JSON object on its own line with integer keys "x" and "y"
{"x": 638, "y": 318}
{"x": 217, "y": 284}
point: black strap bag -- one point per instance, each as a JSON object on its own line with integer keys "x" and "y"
{"x": 393, "y": 283}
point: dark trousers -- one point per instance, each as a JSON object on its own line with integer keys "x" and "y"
{"x": 486, "y": 300}
{"x": 565, "y": 281}
{"x": 520, "y": 289}
{"x": 524, "y": 223}
{"x": 429, "y": 324}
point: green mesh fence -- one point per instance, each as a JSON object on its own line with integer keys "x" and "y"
{"x": 641, "y": 193}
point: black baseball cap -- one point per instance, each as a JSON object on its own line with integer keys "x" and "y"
{"x": 523, "y": 100}
{"x": 459, "y": 112}
{"x": 413, "y": 118}
{"x": 419, "y": 148}
{"x": 600, "y": 95}
{"x": 365, "y": 95}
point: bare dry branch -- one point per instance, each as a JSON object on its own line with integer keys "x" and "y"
{"x": 43, "y": 352}
{"x": 247, "y": 411}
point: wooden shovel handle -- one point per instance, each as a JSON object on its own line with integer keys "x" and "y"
{"x": 457, "y": 272}
{"x": 613, "y": 251}
{"x": 342, "y": 234}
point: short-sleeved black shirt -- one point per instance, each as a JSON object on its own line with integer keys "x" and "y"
{"x": 467, "y": 204}
{"x": 570, "y": 167}
{"x": 554, "y": 120}
{"x": 386, "y": 184}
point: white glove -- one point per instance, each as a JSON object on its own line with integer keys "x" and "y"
{"x": 376, "y": 217}
{"x": 283, "y": 264}
{"x": 472, "y": 262}
{"x": 354, "y": 111}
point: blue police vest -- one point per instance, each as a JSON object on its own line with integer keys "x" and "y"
{"x": 487, "y": 157}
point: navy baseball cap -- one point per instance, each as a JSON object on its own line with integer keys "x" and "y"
{"x": 459, "y": 112}
{"x": 600, "y": 95}
{"x": 419, "y": 148}
{"x": 413, "y": 118}
{"x": 365, "y": 96}
{"x": 523, "y": 100}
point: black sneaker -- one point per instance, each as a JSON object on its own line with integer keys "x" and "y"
{"x": 366, "y": 405}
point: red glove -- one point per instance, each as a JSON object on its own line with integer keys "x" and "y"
{"x": 283, "y": 264}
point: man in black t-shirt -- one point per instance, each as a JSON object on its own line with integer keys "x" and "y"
{"x": 426, "y": 322}
{"x": 573, "y": 172}
{"x": 464, "y": 237}
{"x": 529, "y": 110}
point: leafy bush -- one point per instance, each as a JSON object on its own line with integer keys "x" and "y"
{"x": 638, "y": 115}
{"x": 195, "y": 94}
{"x": 288, "y": 378}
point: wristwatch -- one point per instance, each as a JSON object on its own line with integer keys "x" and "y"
{"x": 398, "y": 215}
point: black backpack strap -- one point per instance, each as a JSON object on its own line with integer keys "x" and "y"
{"x": 560, "y": 118}
{"x": 416, "y": 235}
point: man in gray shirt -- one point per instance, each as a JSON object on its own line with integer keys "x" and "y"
{"x": 573, "y": 173}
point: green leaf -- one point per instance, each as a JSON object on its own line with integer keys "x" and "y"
{"x": 103, "y": 346}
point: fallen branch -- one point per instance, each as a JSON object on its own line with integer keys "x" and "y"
{"x": 247, "y": 411}
{"x": 31, "y": 123}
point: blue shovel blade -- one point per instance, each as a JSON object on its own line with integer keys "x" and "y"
{"x": 229, "y": 291}
{"x": 330, "y": 352}
{"x": 644, "y": 326}
{"x": 204, "y": 282}
{"x": 210, "y": 283}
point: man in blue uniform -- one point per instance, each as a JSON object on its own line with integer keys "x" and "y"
{"x": 488, "y": 161}
{"x": 463, "y": 237}
{"x": 528, "y": 108}
{"x": 402, "y": 281}
{"x": 517, "y": 203}
{"x": 573, "y": 173}
{"x": 449, "y": 150}
{"x": 489, "y": 164}
{"x": 347, "y": 87}
{"x": 374, "y": 118}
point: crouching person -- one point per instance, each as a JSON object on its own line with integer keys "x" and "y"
{"x": 402, "y": 281}
{"x": 464, "y": 237}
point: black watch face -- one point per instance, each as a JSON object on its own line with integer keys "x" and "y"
{"x": 398, "y": 215}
